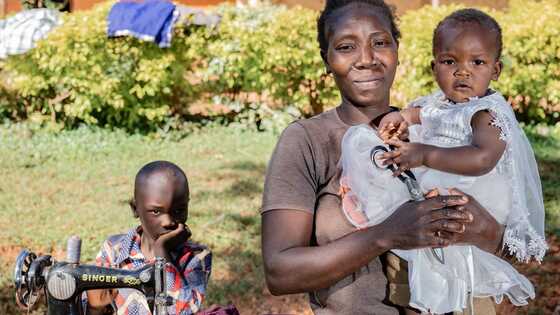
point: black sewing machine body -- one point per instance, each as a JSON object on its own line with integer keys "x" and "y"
{"x": 63, "y": 283}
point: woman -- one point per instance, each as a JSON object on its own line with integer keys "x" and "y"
{"x": 307, "y": 243}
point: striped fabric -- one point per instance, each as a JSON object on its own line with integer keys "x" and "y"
{"x": 19, "y": 33}
{"x": 187, "y": 275}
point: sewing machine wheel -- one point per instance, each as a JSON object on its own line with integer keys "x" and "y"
{"x": 26, "y": 296}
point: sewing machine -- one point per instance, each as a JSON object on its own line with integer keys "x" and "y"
{"x": 64, "y": 282}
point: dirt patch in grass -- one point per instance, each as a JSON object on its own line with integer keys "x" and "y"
{"x": 269, "y": 304}
{"x": 546, "y": 279}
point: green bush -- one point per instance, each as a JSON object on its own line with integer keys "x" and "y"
{"x": 531, "y": 77}
{"x": 531, "y": 55}
{"x": 79, "y": 75}
{"x": 259, "y": 59}
{"x": 270, "y": 52}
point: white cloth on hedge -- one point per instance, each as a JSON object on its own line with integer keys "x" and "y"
{"x": 19, "y": 33}
{"x": 511, "y": 192}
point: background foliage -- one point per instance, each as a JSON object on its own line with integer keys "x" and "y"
{"x": 79, "y": 75}
{"x": 261, "y": 66}
{"x": 531, "y": 56}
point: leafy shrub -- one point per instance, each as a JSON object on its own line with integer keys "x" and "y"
{"x": 78, "y": 74}
{"x": 270, "y": 52}
{"x": 50, "y": 4}
{"x": 259, "y": 60}
{"x": 531, "y": 77}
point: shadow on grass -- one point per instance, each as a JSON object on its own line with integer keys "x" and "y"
{"x": 244, "y": 276}
{"x": 248, "y": 179}
{"x": 247, "y": 166}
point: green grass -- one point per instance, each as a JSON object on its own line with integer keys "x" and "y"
{"x": 79, "y": 182}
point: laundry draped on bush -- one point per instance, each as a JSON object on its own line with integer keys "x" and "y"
{"x": 19, "y": 33}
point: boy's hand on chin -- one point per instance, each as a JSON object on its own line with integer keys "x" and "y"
{"x": 168, "y": 241}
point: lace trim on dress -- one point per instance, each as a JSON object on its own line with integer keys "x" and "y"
{"x": 520, "y": 238}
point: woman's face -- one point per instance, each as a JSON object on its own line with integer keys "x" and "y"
{"x": 362, "y": 55}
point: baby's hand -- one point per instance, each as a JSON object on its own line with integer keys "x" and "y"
{"x": 393, "y": 126}
{"x": 406, "y": 155}
{"x": 168, "y": 241}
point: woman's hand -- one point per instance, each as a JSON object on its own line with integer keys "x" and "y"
{"x": 433, "y": 222}
{"x": 483, "y": 232}
{"x": 292, "y": 265}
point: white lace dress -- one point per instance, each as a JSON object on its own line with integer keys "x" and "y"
{"x": 511, "y": 192}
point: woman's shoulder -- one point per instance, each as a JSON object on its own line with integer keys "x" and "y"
{"x": 318, "y": 125}
{"x": 323, "y": 120}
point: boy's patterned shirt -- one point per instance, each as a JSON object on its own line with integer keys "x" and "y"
{"x": 187, "y": 276}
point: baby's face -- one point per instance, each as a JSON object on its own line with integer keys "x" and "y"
{"x": 465, "y": 61}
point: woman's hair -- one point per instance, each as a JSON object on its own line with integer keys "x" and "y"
{"x": 466, "y": 16}
{"x": 332, "y": 5}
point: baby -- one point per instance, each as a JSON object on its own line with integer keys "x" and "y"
{"x": 161, "y": 198}
{"x": 470, "y": 140}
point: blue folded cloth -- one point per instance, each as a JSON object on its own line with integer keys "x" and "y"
{"x": 149, "y": 20}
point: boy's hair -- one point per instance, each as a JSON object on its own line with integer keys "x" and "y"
{"x": 465, "y": 16}
{"x": 333, "y": 5}
{"x": 158, "y": 167}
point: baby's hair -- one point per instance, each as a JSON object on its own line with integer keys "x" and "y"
{"x": 157, "y": 167}
{"x": 333, "y": 5}
{"x": 466, "y": 16}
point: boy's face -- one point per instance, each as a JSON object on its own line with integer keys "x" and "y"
{"x": 465, "y": 61}
{"x": 161, "y": 204}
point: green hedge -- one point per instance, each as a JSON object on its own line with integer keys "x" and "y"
{"x": 258, "y": 60}
{"x": 79, "y": 75}
{"x": 270, "y": 51}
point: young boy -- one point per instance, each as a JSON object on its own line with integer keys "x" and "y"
{"x": 161, "y": 197}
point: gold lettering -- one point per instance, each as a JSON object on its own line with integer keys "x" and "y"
{"x": 105, "y": 278}
{"x": 131, "y": 280}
